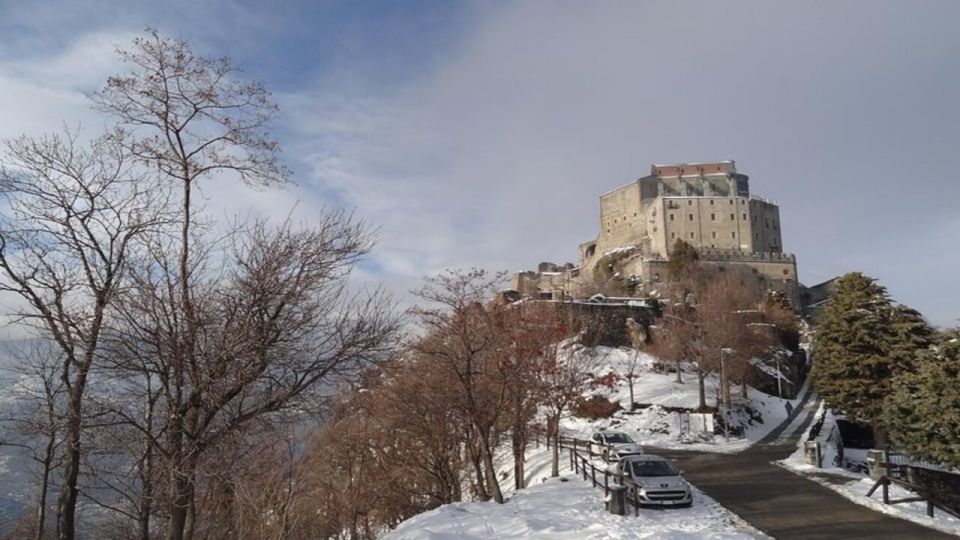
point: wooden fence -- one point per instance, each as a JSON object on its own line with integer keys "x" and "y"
{"x": 896, "y": 470}
{"x": 582, "y": 465}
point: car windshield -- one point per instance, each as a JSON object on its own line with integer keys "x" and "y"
{"x": 654, "y": 468}
{"x": 618, "y": 438}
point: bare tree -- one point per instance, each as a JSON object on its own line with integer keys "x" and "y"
{"x": 531, "y": 331}
{"x": 639, "y": 338}
{"x": 567, "y": 371}
{"x": 463, "y": 341}
{"x": 276, "y": 329}
{"x": 37, "y": 419}
{"x": 710, "y": 318}
{"x": 727, "y": 307}
{"x": 679, "y": 337}
{"x": 190, "y": 117}
{"x": 75, "y": 216}
{"x": 425, "y": 434}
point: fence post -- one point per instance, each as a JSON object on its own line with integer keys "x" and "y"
{"x": 886, "y": 491}
{"x": 593, "y": 476}
{"x": 571, "y": 459}
{"x": 583, "y": 468}
{"x": 576, "y": 463}
{"x": 636, "y": 501}
{"x": 930, "y": 507}
{"x": 606, "y": 483}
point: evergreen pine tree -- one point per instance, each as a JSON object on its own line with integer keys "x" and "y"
{"x": 923, "y": 410}
{"x": 682, "y": 257}
{"x": 911, "y": 334}
{"x": 863, "y": 342}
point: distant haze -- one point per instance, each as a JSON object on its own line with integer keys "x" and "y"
{"x": 481, "y": 134}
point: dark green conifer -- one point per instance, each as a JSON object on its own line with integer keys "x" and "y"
{"x": 863, "y": 343}
{"x": 923, "y": 410}
{"x": 682, "y": 258}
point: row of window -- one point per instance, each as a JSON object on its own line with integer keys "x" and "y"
{"x": 713, "y": 217}
{"x": 733, "y": 234}
{"x": 623, "y": 219}
{"x": 690, "y": 202}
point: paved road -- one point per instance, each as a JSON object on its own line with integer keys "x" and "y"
{"x": 781, "y": 503}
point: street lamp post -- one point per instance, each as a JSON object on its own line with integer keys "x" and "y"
{"x": 779, "y": 383}
{"x": 725, "y": 394}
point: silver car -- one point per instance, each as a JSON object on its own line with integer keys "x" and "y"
{"x": 614, "y": 445}
{"x": 658, "y": 481}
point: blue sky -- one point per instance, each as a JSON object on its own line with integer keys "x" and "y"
{"x": 480, "y": 134}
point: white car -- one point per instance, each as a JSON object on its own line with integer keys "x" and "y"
{"x": 614, "y": 445}
{"x": 658, "y": 482}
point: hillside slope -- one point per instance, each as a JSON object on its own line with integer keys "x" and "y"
{"x": 568, "y": 508}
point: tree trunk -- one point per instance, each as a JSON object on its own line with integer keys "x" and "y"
{"x": 555, "y": 434}
{"x": 630, "y": 380}
{"x": 67, "y": 504}
{"x": 44, "y": 487}
{"x": 701, "y": 390}
{"x": 182, "y": 483}
{"x": 183, "y": 472}
{"x": 490, "y": 472}
{"x": 519, "y": 443}
{"x": 482, "y": 493}
{"x": 146, "y": 472}
{"x": 181, "y": 503}
{"x": 518, "y": 455}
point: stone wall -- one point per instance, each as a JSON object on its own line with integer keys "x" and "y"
{"x": 621, "y": 219}
{"x": 760, "y": 274}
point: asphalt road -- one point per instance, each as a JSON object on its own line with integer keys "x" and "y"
{"x": 782, "y": 504}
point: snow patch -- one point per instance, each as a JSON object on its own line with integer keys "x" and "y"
{"x": 569, "y": 508}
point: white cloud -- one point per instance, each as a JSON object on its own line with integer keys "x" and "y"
{"x": 42, "y": 93}
{"x": 495, "y": 156}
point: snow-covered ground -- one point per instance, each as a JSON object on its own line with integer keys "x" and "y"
{"x": 858, "y": 485}
{"x": 570, "y": 508}
{"x": 656, "y": 425}
{"x": 567, "y": 508}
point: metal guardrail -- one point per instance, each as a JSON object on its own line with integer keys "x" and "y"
{"x": 896, "y": 458}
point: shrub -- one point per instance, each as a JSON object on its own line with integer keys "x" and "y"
{"x": 595, "y": 407}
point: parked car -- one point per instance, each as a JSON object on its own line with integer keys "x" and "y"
{"x": 614, "y": 445}
{"x": 658, "y": 481}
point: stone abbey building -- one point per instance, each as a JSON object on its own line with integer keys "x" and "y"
{"x": 708, "y": 205}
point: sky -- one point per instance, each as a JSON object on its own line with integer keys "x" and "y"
{"x": 480, "y": 134}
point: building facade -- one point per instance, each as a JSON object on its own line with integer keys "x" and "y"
{"x": 707, "y": 205}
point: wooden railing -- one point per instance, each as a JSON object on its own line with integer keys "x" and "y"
{"x": 895, "y": 471}
{"x": 582, "y": 465}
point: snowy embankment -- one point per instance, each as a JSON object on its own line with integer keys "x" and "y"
{"x": 567, "y": 508}
{"x": 856, "y": 486}
{"x": 658, "y": 424}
